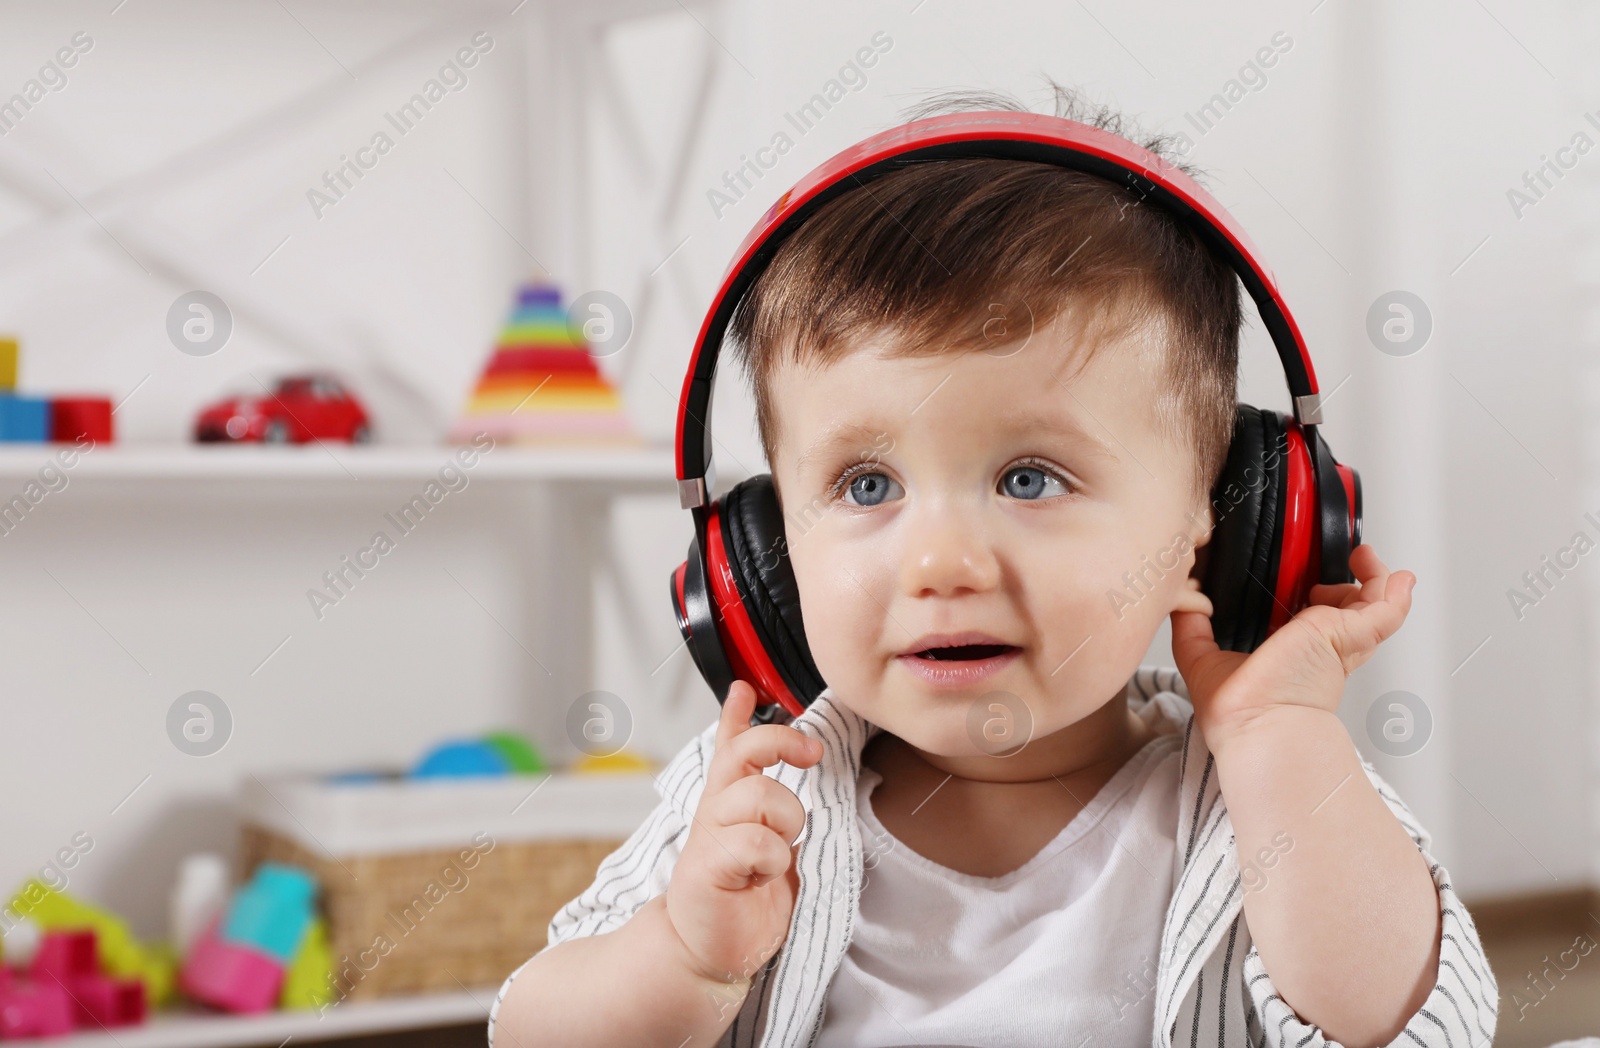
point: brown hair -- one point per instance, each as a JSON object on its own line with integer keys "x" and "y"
{"x": 932, "y": 253}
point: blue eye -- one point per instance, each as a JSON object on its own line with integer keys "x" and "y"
{"x": 1030, "y": 482}
{"x": 870, "y": 489}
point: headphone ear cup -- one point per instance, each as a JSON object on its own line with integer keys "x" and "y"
{"x": 1241, "y": 570}
{"x": 758, "y": 555}
{"x": 695, "y": 610}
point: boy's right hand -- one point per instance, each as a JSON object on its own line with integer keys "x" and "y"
{"x": 733, "y": 888}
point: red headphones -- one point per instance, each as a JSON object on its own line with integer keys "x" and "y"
{"x": 1288, "y": 513}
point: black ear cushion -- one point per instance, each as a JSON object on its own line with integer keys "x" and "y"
{"x": 1245, "y": 503}
{"x": 1262, "y": 582}
{"x": 1235, "y": 507}
{"x": 758, "y": 554}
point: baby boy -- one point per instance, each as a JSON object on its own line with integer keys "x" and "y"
{"x": 987, "y": 389}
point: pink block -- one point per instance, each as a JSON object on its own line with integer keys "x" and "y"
{"x": 66, "y": 955}
{"x": 101, "y": 1001}
{"x": 231, "y": 977}
{"x": 29, "y": 1008}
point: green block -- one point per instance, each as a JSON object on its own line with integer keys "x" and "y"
{"x": 518, "y": 753}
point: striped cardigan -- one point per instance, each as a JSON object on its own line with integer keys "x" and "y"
{"x": 1211, "y": 986}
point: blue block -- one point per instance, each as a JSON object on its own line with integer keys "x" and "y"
{"x": 273, "y": 911}
{"x": 458, "y": 759}
{"x": 25, "y": 419}
{"x": 348, "y": 778}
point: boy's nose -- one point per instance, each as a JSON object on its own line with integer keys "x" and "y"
{"x": 946, "y": 554}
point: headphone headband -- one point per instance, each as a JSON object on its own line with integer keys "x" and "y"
{"x": 997, "y": 134}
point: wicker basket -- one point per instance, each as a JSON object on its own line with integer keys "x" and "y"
{"x": 441, "y": 917}
{"x": 486, "y": 921}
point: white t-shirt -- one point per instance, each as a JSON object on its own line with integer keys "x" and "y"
{"x": 1213, "y": 987}
{"x": 1060, "y": 952}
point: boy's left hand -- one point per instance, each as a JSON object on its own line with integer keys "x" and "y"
{"x": 1304, "y": 663}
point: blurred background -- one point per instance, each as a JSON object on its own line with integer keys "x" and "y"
{"x": 211, "y": 662}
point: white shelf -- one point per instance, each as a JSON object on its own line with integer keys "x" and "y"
{"x": 647, "y": 465}
{"x": 210, "y": 1030}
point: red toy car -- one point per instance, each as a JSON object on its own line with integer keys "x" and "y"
{"x": 302, "y": 408}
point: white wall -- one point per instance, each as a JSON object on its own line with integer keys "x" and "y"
{"x": 1376, "y": 157}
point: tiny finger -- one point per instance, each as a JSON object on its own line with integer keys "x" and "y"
{"x": 757, "y": 747}
{"x": 736, "y": 711}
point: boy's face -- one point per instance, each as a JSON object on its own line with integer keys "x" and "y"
{"x": 993, "y": 491}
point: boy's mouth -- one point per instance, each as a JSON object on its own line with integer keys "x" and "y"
{"x": 964, "y": 652}
{"x": 957, "y": 660}
{"x": 968, "y": 646}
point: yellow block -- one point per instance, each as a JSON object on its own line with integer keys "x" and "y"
{"x": 8, "y": 363}
{"x": 621, "y": 761}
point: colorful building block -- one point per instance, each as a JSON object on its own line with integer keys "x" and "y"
{"x": 74, "y": 417}
{"x": 232, "y": 977}
{"x": 308, "y": 983}
{"x": 520, "y": 755}
{"x": 65, "y": 955}
{"x": 121, "y": 955}
{"x": 8, "y": 363}
{"x": 29, "y": 1008}
{"x": 98, "y": 1001}
{"x": 71, "y": 960}
{"x": 623, "y": 761}
{"x": 239, "y": 963}
{"x": 272, "y": 912}
{"x": 468, "y": 757}
{"x": 24, "y": 419}
{"x": 360, "y": 777}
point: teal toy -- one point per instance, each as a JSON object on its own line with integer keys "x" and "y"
{"x": 273, "y": 911}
